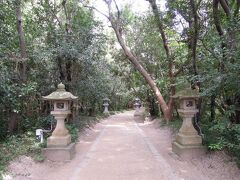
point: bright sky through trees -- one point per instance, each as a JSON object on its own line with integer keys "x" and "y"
{"x": 138, "y": 6}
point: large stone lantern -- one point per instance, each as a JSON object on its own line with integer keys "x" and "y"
{"x": 137, "y": 105}
{"x": 106, "y": 104}
{"x": 188, "y": 143}
{"x": 59, "y": 146}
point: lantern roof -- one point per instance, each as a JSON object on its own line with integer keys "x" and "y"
{"x": 137, "y": 99}
{"x": 106, "y": 99}
{"x": 187, "y": 93}
{"x": 60, "y": 94}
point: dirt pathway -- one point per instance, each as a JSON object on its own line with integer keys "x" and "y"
{"x": 121, "y": 149}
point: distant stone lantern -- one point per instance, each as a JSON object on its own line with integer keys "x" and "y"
{"x": 188, "y": 143}
{"x": 59, "y": 146}
{"x": 137, "y": 105}
{"x": 106, "y": 104}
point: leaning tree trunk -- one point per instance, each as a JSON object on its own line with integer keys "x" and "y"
{"x": 166, "y": 47}
{"x": 134, "y": 60}
{"x": 136, "y": 63}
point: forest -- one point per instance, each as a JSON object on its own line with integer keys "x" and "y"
{"x": 150, "y": 55}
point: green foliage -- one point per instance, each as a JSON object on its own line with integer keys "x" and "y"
{"x": 174, "y": 124}
{"x": 112, "y": 112}
{"x": 17, "y": 145}
{"x": 222, "y": 136}
{"x": 75, "y": 57}
{"x": 73, "y": 130}
{"x": 39, "y": 157}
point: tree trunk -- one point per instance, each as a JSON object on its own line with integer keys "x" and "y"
{"x": 213, "y": 107}
{"x": 60, "y": 68}
{"x": 68, "y": 63}
{"x": 166, "y": 48}
{"x": 135, "y": 61}
{"x": 13, "y": 116}
{"x": 167, "y": 111}
{"x": 12, "y": 121}
{"x": 22, "y": 44}
{"x": 220, "y": 31}
{"x": 194, "y": 36}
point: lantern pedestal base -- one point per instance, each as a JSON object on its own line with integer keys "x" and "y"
{"x": 188, "y": 151}
{"x": 138, "y": 113}
{"x": 58, "y": 141}
{"x": 59, "y": 153}
{"x": 192, "y": 140}
{"x": 139, "y": 116}
{"x": 106, "y": 113}
{"x": 139, "y": 119}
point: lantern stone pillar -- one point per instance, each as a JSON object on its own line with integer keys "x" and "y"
{"x": 60, "y": 136}
{"x": 137, "y": 105}
{"x": 188, "y": 143}
{"x": 106, "y": 105}
{"x": 59, "y": 146}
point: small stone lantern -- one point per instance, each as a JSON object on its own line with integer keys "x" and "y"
{"x": 59, "y": 146}
{"x": 106, "y": 104}
{"x": 137, "y": 105}
{"x": 188, "y": 143}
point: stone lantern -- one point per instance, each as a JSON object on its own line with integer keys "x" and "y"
{"x": 188, "y": 143}
{"x": 106, "y": 104}
{"x": 59, "y": 146}
{"x": 137, "y": 105}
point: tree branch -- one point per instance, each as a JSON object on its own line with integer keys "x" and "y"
{"x": 216, "y": 17}
{"x": 67, "y": 24}
{"x": 117, "y": 8}
{"x": 236, "y": 12}
{"x": 225, "y": 7}
{"x": 181, "y": 68}
{"x": 209, "y": 50}
{"x": 91, "y": 7}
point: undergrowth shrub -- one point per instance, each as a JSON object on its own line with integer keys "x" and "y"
{"x": 73, "y": 130}
{"x": 175, "y": 123}
{"x": 223, "y": 136}
{"x": 40, "y": 122}
{"x": 13, "y": 146}
{"x": 16, "y": 145}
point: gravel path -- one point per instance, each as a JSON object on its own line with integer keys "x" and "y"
{"x": 121, "y": 149}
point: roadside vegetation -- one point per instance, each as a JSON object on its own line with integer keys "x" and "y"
{"x": 43, "y": 43}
